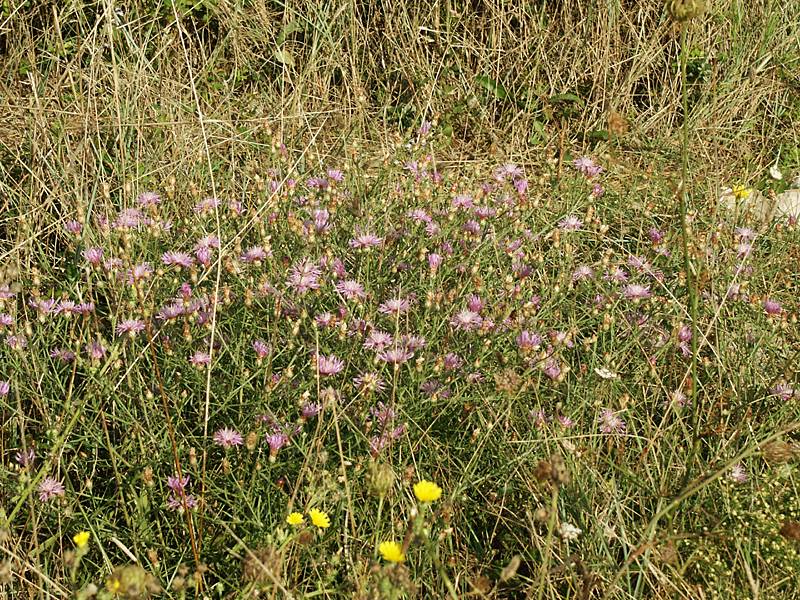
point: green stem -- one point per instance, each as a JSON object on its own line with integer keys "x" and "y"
{"x": 691, "y": 279}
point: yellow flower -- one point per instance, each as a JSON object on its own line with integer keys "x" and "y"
{"x": 81, "y": 539}
{"x": 741, "y": 192}
{"x": 427, "y": 491}
{"x": 392, "y": 551}
{"x": 319, "y": 518}
{"x": 295, "y": 519}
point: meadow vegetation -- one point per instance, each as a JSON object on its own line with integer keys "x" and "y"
{"x": 398, "y": 300}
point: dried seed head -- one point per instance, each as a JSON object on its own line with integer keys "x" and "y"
{"x": 685, "y": 10}
{"x": 779, "y": 452}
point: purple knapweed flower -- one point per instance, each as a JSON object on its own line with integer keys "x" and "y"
{"x": 527, "y": 341}
{"x": 772, "y": 307}
{"x": 255, "y": 254}
{"x": 25, "y": 458}
{"x": 148, "y": 199}
{"x": 395, "y": 356}
{"x": 262, "y": 349}
{"x": 610, "y": 422}
{"x": 329, "y": 365}
{"x": 434, "y": 261}
{"x": 350, "y": 289}
{"x": 738, "y": 474}
{"x": 228, "y": 438}
{"x": 634, "y": 291}
{"x": 177, "y": 483}
{"x": 50, "y": 488}
{"x": 73, "y": 227}
{"x": 206, "y": 205}
{"x": 582, "y": 272}
{"x": 200, "y": 359}
{"x": 587, "y": 166}
{"x": 96, "y": 350}
{"x": 276, "y": 441}
{"x": 365, "y": 240}
{"x": 130, "y": 327}
{"x": 94, "y": 256}
{"x": 5, "y": 387}
{"x": 395, "y": 306}
{"x": 570, "y": 223}
{"x": 466, "y": 320}
{"x": 310, "y": 410}
{"x": 304, "y": 276}
{"x": 179, "y": 259}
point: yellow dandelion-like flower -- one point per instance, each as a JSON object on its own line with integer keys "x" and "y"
{"x": 81, "y": 539}
{"x": 392, "y": 551}
{"x": 295, "y": 519}
{"x": 427, "y": 491}
{"x": 741, "y": 192}
{"x": 319, "y": 518}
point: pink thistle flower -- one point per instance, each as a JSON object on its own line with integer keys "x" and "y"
{"x": 25, "y": 458}
{"x": 16, "y": 342}
{"x": 276, "y": 441}
{"x": 738, "y": 474}
{"x": 206, "y": 205}
{"x": 508, "y": 171}
{"x": 565, "y": 421}
{"x": 5, "y": 387}
{"x": 321, "y": 220}
{"x": 130, "y": 327}
{"x": 228, "y": 438}
{"x": 452, "y": 361}
{"x": 329, "y": 365}
{"x": 597, "y": 190}
{"x": 262, "y": 349}
{"x": 582, "y": 272}
{"x": 148, "y": 199}
{"x": 180, "y": 259}
{"x": 177, "y": 483}
{"x": 256, "y": 254}
{"x": 616, "y": 274}
{"x": 527, "y": 341}
{"x": 783, "y": 391}
{"x": 365, "y": 240}
{"x": 177, "y": 503}
{"x": 73, "y": 227}
{"x": 473, "y": 227}
{"x": 419, "y": 215}
{"x": 96, "y": 350}
{"x": 200, "y": 359}
{"x": 463, "y": 201}
{"x": 130, "y": 218}
{"x": 635, "y": 292}
{"x": 351, "y": 290}
{"x": 474, "y": 303}
{"x": 6, "y": 320}
{"x": 395, "y": 356}
{"x": 62, "y": 355}
{"x": 139, "y": 272}
{"x": 570, "y": 223}
{"x": 610, "y": 423}
{"x": 94, "y": 256}
{"x": 50, "y": 488}
{"x": 434, "y": 261}
{"x": 772, "y": 307}
{"x": 395, "y": 306}
{"x": 466, "y": 320}
{"x": 310, "y": 410}
{"x": 335, "y": 175}
{"x": 304, "y": 276}
{"x": 587, "y": 166}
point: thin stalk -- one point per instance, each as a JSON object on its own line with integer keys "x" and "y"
{"x": 691, "y": 279}
{"x": 551, "y": 524}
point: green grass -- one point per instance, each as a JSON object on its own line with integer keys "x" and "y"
{"x": 246, "y": 102}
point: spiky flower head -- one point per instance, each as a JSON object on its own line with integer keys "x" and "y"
{"x": 392, "y": 552}
{"x": 427, "y": 491}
